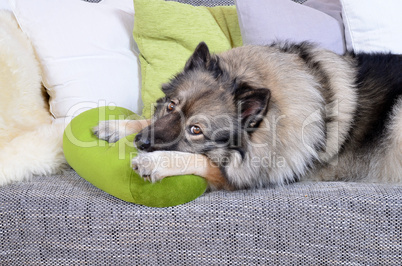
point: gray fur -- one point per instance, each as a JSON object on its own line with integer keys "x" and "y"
{"x": 277, "y": 114}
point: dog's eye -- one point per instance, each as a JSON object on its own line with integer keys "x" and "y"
{"x": 171, "y": 106}
{"x": 195, "y": 130}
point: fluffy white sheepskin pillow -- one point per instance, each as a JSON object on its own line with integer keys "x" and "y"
{"x": 29, "y": 143}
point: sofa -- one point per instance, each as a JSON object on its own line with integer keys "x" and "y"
{"x": 62, "y": 219}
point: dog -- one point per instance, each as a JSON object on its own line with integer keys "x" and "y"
{"x": 256, "y": 116}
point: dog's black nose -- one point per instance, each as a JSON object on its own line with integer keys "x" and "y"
{"x": 142, "y": 143}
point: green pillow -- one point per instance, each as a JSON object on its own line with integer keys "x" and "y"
{"x": 167, "y": 34}
{"x": 108, "y": 165}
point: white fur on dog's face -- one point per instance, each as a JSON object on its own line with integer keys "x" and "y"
{"x": 214, "y": 117}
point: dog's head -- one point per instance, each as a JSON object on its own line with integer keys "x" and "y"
{"x": 204, "y": 108}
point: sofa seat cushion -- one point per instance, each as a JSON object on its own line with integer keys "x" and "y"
{"x": 64, "y": 219}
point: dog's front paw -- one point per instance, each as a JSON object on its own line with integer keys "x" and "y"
{"x": 109, "y": 131}
{"x": 151, "y": 166}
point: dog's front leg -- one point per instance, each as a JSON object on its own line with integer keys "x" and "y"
{"x": 157, "y": 165}
{"x": 113, "y": 130}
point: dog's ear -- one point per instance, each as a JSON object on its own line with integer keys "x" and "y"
{"x": 202, "y": 59}
{"x": 252, "y": 105}
{"x": 199, "y": 59}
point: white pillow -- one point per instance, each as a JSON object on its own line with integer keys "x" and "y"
{"x": 263, "y": 22}
{"x": 86, "y": 50}
{"x": 4, "y": 5}
{"x": 373, "y": 25}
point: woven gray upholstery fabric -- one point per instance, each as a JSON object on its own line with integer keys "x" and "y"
{"x": 216, "y": 2}
{"x": 64, "y": 220}
{"x": 92, "y": 1}
{"x": 202, "y": 2}
{"x": 206, "y": 2}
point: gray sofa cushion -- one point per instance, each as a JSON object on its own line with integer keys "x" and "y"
{"x": 65, "y": 220}
{"x": 206, "y": 2}
{"x": 213, "y": 2}
{"x": 202, "y": 2}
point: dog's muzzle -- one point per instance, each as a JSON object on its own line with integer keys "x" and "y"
{"x": 164, "y": 134}
{"x": 142, "y": 142}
